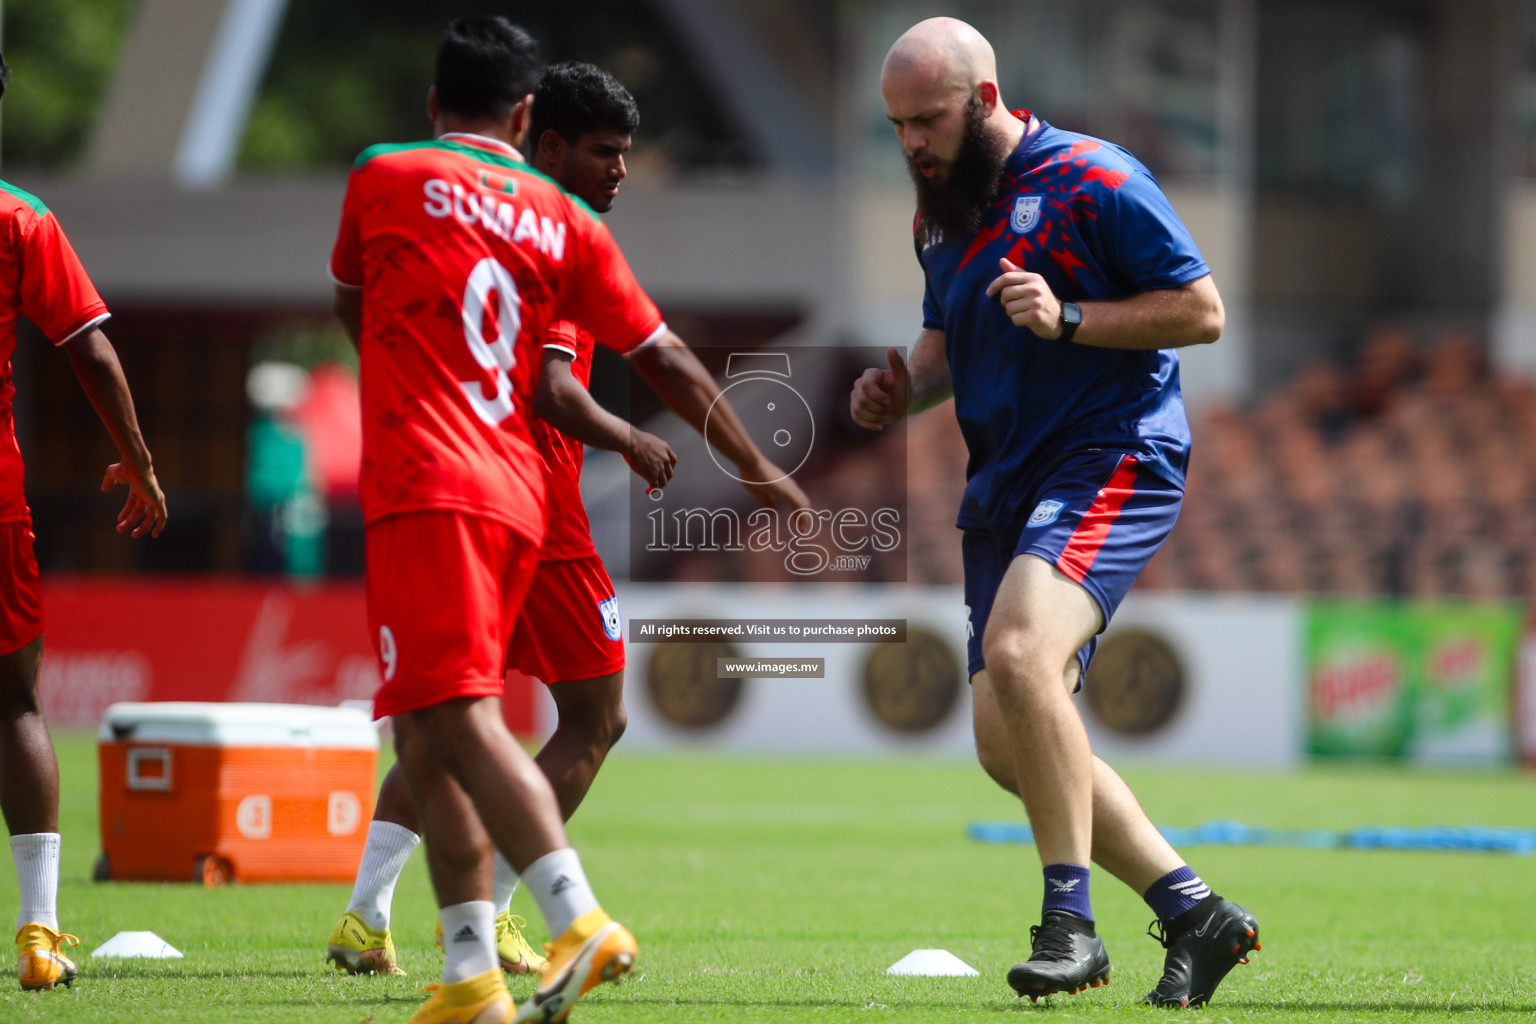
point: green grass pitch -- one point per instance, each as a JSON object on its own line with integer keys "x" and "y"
{"x": 780, "y": 891}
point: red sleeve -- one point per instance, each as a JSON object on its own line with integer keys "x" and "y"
{"x": 563, "y": 336}
{"x": 604, "y": 298}
{"x": 56, "y": 293}
{"x": 346, "y": 266}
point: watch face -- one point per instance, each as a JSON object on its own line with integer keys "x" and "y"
{"x": 1071, "y": 313}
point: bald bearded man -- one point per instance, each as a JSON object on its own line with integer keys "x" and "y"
{"x": 1059, "y": 282}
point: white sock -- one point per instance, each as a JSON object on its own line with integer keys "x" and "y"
{"x": 469, "y": 940}
{"x": 506, "y": 885}
{"x": 37, "y": 873}
{"x": 560, "y": 888}
{"x": 389, "y": 846}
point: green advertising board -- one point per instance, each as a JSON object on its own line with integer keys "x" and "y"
{"x": 1426, "y": 680}
{"x": 1466, "y": 670}
{"x": 1359, "y": 674}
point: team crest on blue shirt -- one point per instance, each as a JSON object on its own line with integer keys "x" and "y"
{"x": 1046, "y": 512}
{"x": 609, "y": 610}
{"x": 1026, "y": 213}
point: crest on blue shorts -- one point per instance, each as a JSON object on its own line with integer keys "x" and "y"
{"x": 1047, "y": 512}
{"x": 1026, "y": 213}
{"x": 609, "y": 610}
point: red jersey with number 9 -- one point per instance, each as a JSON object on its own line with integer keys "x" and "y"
{"x": 466, "y": 256}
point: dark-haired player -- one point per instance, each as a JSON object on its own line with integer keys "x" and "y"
{"x": 452, "y": 261}
{"x": 1059, "y": 279}
{"x": 568, "y": 631}
{"x": 41, "y": 278}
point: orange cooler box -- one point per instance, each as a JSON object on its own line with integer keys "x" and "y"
{"x": 216, "y": 793}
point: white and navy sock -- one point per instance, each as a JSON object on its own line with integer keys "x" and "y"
{"x": 37, "y": 873}
{"x": 1177, "y": 892}
{"x": 1066, "y": 888}
{"x": 560, "y": 888}
{"x": 469, "y": 940}
{"x": 505, "y": 885}
{"x": 389, "y": 846}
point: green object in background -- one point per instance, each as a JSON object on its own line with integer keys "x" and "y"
{"x": 1466, "y": 667}
{"x": 303, "y": 519}
{"x": 1359, "y": 679}
{"x": 1429, "y": 681}
{"x": 62, "y": 54}
{"x": 280, "y": 488}
{"x": 275, "y": 472}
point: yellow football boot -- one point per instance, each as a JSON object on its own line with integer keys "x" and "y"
{"x": 358, "y": 949}
{"x": 594, "y": 949}
{"x": 483, "y": 999}
{"x": 41, "y": 964}
{"x": 517, "y": 955}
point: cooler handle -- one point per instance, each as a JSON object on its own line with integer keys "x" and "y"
{"x": 157, "y": 760}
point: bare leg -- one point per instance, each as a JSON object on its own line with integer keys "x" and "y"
{"x": 29, "y": 771}
{"x": 467, "y": 740}
{"x": 1039, "y": 620}
{"x": 394, "y": 804}
{"x": 29, "y": 799}
{"x": 591, "y": 721}
{"x": 1125, "y": 842}
{"x": 458, "y": 848}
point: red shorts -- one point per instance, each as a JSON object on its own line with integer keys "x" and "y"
{"x": 569, "y": 628}
{"x": 444, "y": 589}
{"x": 21, "y": 593}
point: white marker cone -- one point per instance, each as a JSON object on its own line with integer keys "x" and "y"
{"x": 144, "y": 944}
{"x": 932, "y": 963}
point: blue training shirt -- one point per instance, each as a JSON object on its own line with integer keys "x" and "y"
{"x": 1089, "y": 218}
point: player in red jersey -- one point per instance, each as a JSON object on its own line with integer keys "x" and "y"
{"x": 41, "y": 278}
{"x": 453, "y": 260}
{"x": 568, "y": 633}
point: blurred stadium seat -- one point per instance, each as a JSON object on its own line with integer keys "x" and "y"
{"x": 1401, "y": 472}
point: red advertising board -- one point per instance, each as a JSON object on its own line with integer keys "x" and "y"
{"x": 222, "y": 641}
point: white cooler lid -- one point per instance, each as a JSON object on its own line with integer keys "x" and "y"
{"x": 192, "y": 723}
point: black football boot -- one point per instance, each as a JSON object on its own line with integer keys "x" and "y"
{"x": 1066, "y": 955}
{"x": 1203, "y": 944}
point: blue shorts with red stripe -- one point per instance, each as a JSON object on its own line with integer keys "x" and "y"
{"x": 1099, "y": 517}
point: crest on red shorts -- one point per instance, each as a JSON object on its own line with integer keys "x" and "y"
{"x": 609, "y": 610}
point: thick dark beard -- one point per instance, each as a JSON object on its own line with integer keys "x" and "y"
{"x": 957, "y": 208}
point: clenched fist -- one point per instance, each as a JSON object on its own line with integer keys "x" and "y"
{"x": 880, "y": 396}
{"x": 1028, "y": 300}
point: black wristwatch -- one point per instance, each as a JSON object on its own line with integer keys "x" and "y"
{"x": 1071, "y": 316}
